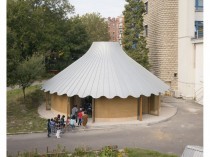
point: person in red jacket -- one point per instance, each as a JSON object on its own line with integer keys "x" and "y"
{"x": 80, "y": 118}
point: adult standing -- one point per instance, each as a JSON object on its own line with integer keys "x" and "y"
{"x": 84, "y": 119}
{"x": 48, "y": 128}
{"x": 58, "y": 128}
{"x": 74, "y": 112}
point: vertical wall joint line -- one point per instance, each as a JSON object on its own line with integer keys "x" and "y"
{"x": 93, "y": 110}
{"x": 140, "y": 108}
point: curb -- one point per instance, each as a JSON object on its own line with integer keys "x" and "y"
{"x": 81, "y": 129}
{"x": 19, "y": 133}
{"x": 102, "y": 127}
{"x": 163, "y": 120}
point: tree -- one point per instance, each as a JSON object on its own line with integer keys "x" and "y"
{"x": 77, "y": 37}
{"x": 74, "y": 44}
{"x": 29, "y": 70}
{"x": 134, "y": 43}
{"x": 96, "y": 27}
{"x": 37, "y": 26}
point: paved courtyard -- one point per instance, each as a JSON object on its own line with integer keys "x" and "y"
{"x": 182, "y": 126}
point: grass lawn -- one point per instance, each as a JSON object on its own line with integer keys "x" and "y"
{"x": 104, "y": 152}
{"x": 137, "y": 152}
{"x": 22, "y": 115}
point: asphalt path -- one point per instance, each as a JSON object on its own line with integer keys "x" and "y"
{"x": 171, "y": 136}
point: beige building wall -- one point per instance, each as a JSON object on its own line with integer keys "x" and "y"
{"x": 116, "y": 109}
{"x": 162, "y": 39}
{"x": 145, "y": 101}
{"x": 60, "y": 103}
{"x": 155, "y": 105}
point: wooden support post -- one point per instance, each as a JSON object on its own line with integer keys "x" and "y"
{"x": 148, "y": 105}
{"x": 72, "y": 103}
{"x": 46, "y": 100}
{"x": 93, "y": 110}
{"x": 140, "y": 108}
{"x": 158, "y": 106}
{"x": 68, "y": 107}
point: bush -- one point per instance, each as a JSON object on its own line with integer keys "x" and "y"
{"x": 22, "y": 115}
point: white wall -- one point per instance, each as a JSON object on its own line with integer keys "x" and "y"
{"x": 198, "y": 16}
{"x": 190, "y": 53}
{"x": 185, "y": 68}
{"x": 199, "y": 72}
{"x": 185, "y": 49}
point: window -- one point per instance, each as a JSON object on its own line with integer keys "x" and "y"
{"x": 146, "y": 7}
{"x": 199, "y": 5}
{"x": 146, "y": 30}
{"x": 198, "y": 29}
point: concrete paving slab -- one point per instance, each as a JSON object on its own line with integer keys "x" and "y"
{"x": 167, "y": 111}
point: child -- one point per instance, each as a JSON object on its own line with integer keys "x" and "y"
{"x": 62, "y": 123}
{"x": 58, "y": 127}
{"x": 52, "y": 125}
{"x": 80, "y": 118}
{"x": 72, "y": 121}
{"x": 68, "y": 123}
{"x": 58, "y": 116}
{"x": 48, "y": 128}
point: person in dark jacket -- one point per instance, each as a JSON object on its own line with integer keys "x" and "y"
{"x": 48, "y": 128}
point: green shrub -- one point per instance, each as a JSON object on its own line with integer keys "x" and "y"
{"x": 137, "y": 152}
{"x": 108, "y": 151}
{"x": 22, "y": 115}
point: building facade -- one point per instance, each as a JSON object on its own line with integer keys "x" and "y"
{"x": 104, "y": 110}
{"x": 115, "y": 28}
{"x": 190, "y": 50}
{"x": 174, "y": 31}
{"x": 161, "y": 31}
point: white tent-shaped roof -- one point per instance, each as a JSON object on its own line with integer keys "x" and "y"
{"x": 105, "y": 70}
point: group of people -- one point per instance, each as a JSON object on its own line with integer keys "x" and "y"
{"x": 81, "y": 116}
{"x": 58, "y": 125}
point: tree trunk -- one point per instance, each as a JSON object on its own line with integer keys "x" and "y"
{"x": 24, "y": 92}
